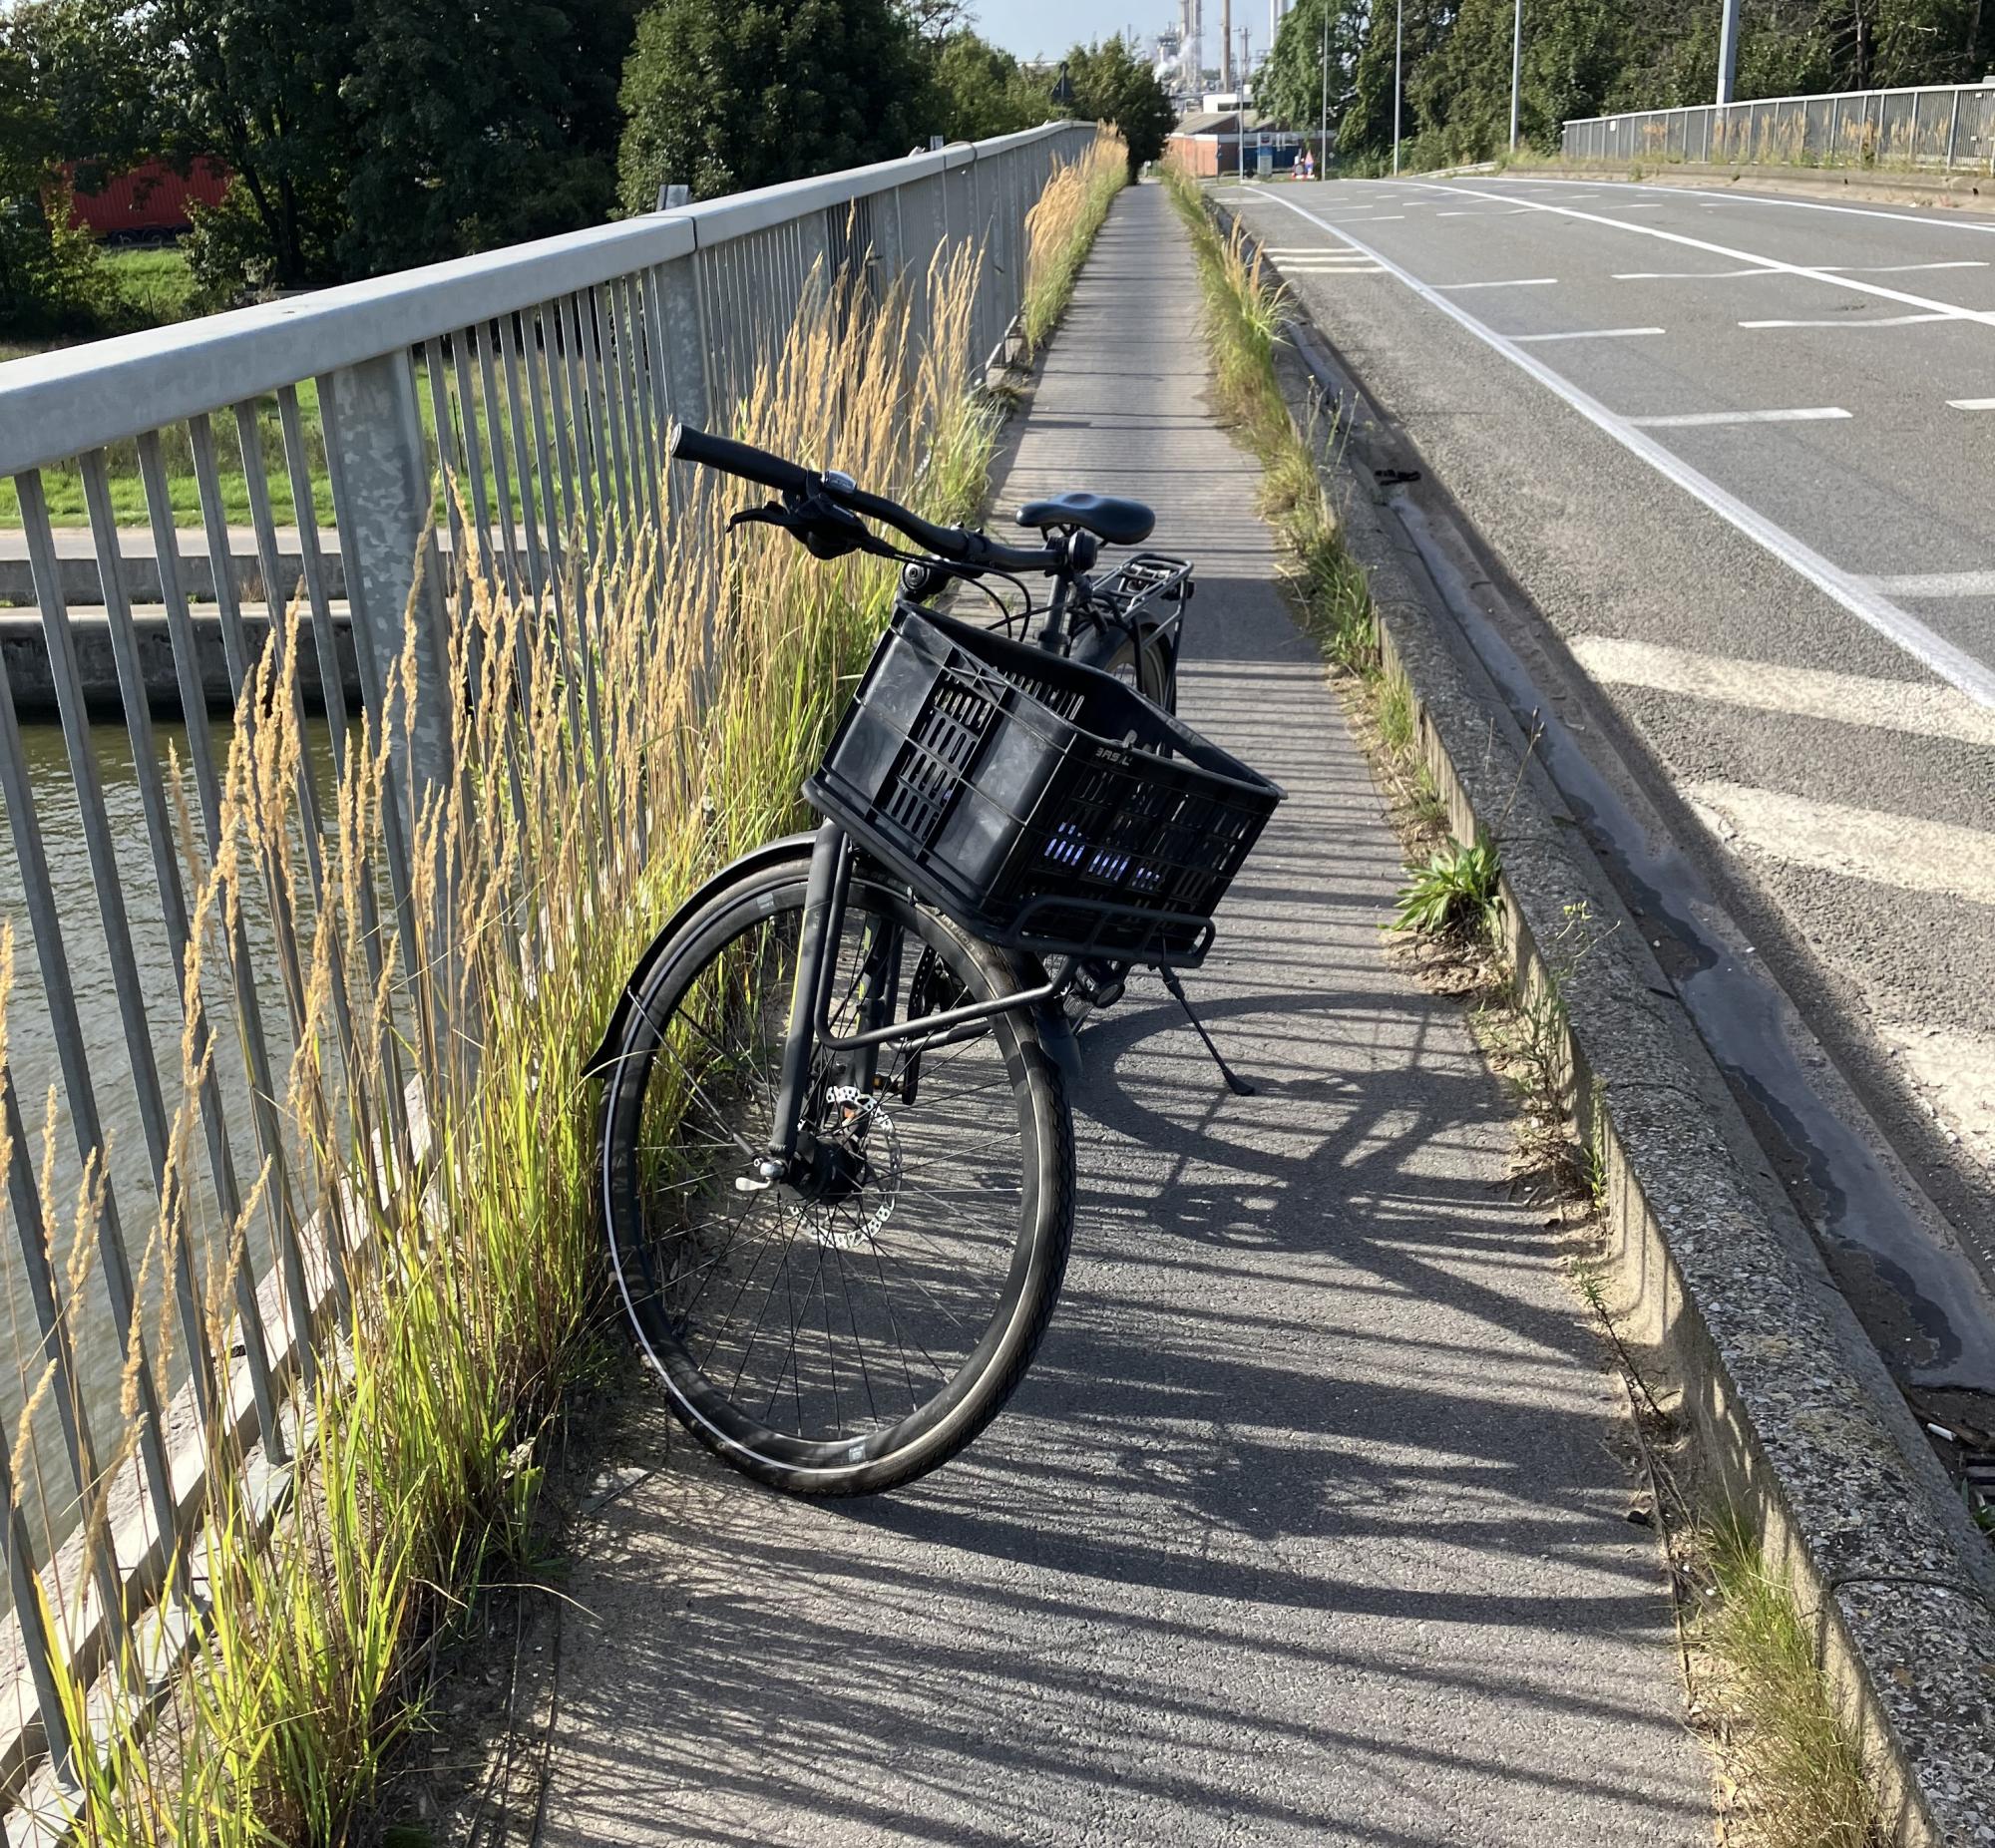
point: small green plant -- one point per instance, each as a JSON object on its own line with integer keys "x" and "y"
{"x": 1453, "y": 895}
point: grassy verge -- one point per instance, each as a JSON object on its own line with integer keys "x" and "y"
{"x": 1060, "y": 231}
{"x": 712, "y": 675}
{"x": 1789, "y": 1771}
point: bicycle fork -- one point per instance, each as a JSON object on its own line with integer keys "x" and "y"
{"x": 792, "y": 1151}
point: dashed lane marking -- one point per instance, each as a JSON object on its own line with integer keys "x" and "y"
{"x": 1507, "y": 282}
{"x": 1901, "y": 851}
{"x": 1885, "y": 320}
{"x": 1908, "y": 706}
{"x": 1951, "y": 662}
{"x": 1951, "y": 310}
{"x": 1691, "y": 420}
{"x": 1938, "y": 583}
{"x": 1971, "y": 404}
{"x": 1589, "y": 333}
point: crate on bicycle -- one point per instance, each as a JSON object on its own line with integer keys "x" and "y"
{"x": 1044, "y": 803}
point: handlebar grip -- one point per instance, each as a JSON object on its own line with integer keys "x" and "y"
{"x": 742, "y": 459}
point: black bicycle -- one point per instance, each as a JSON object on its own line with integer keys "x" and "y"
{"x": 837, "y": 1157}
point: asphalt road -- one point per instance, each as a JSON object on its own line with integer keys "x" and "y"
{"x": 1309, "y": 1524}
{"x": 1739, "y": 452}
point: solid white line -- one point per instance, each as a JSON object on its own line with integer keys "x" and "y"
{"x": 1887, "y": 320}
{"x": 1909, "y": 706}
{"x": 1590, "y": 333}
{"x": 1951, "y": 310}
{"x": 1515, "y": 282}
{"x": 1953, "y": 664}
{"x": 1938, "y": 583}
{"x": 1689, "y": 420}
{"x": 1901, "y": 851}
{"x": 1971, "y": 404}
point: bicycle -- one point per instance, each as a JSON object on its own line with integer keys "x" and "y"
{"x": 837, "y": 1163}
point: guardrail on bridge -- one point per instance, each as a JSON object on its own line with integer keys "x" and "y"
{"x": 1939, "y": 126}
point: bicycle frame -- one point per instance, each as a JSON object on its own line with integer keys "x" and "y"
{"x": 825, "y": 894}
{"x": 830, "y": 883}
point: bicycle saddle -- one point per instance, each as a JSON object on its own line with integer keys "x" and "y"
{"x": 1120, "y": 523}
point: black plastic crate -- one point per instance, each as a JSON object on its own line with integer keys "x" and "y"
{"x": 1042, "y": 804}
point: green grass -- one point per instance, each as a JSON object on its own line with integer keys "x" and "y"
{"x": 1803, "y": 1777}
{"x": 154, "y": 286}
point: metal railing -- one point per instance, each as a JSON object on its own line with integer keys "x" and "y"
{"x": 171, "y": 492}
{"x": 1949, "y": 127}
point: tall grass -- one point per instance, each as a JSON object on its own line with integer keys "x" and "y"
{"x": 602, "y": 760}
{"x": 1245, "y": 314}
{"x": 1060, "y": 231}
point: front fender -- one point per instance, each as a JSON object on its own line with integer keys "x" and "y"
{"x": 768, "y": 854}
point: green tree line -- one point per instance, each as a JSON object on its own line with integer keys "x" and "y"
{"x": 1592, "y": 57}
{"x": 366, "y": 136}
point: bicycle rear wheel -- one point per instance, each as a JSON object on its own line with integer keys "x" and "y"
{"x": 846, "y": 1336}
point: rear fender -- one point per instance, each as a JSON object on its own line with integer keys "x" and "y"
{"x": 770, "y": 854}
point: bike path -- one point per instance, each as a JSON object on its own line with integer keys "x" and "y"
{"x": 1309, "y": 1525}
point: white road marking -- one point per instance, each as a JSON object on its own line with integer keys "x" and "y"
{"x": 1590, "y": 333}
{"x": 1971, "y": 404}
{"x": 1884, "y": 320}
{"x": 1688, "y": 275}
{"x": 1948, "y": 309}
{"x": 1689, "y": 420}
{"x": 1960, "y": 1067}
{"x": 1795, "y": 204}
{"x": 1938, "y": 583}
{"x": 1836, "y": 269}
{"x": 1900, "y": 851}
{"x": 1893, "y": 269}
{"x": 1951, "y": 663}
{"x": 1513, "y": 282}
{"x": 1908, "y": 706}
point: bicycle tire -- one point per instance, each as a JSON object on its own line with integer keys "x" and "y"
{"x": 865, "y": 1455}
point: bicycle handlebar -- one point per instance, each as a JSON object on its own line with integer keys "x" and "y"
{"x": 959, "y": 543}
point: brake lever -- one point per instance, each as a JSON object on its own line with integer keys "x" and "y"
{"x": 823, "y": 528}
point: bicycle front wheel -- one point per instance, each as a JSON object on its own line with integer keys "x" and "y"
{"x": 849, "y": 1334}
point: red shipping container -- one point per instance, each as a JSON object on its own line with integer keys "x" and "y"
{"x": 151, "y": 199}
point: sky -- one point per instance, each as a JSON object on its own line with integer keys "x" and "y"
{"x": 1030, "y": 26}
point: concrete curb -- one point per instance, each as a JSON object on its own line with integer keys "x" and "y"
{"x": 1790, "y": 1409}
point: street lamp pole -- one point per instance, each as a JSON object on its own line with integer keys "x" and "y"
{"x": 1727, "y": 52}
{"x": 1398, "y": 76}
{"x": 1516, "y": 68}
{"x": 1323, "y": 126}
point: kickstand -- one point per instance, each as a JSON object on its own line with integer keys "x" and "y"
{"x": 1234, "y": 1082}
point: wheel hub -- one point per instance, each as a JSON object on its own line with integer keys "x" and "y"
{"x": 852, "y": 1179}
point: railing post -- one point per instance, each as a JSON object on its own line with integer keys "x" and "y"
{"x": 1953, "y": 128}
{"x": 381, "y": 483}
{"x": 685, "y": 341}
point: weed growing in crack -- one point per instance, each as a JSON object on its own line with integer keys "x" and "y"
{"x": 1454, "y": 896}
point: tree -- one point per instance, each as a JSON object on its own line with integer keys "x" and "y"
{"x": 723, "y": 95}
{"x": 454, "y": 153}
{"x": 49, "y": 275}
{"x": 1290, "y": 83}
{"x": 1112, "y": 85}
{"x": 981, "y": 90}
